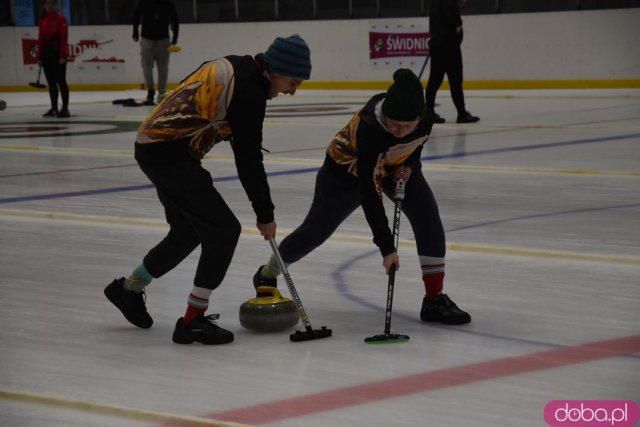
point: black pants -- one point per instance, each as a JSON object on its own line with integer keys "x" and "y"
{"x": 56, "y": 74}
{"x": 446, "y": 59}
{"x": 195, "y": 211}
{"x": 335, "y": 198}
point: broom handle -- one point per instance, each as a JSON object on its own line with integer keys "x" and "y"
{"x": 399, "y": 196}
{"x": 292, "y": 289}
{"x": 424, "y": 65}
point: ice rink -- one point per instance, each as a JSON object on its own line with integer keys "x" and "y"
{"x": 540, "y": 201}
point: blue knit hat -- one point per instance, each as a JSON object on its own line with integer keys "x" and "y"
{"x": 289, "y": 57}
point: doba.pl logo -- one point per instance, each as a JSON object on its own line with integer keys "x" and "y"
{"x": 592, "y": 413}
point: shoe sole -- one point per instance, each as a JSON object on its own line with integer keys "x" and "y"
{"x": 447, "y": 322}
{"x": 118, "y": 303}
{"x": 180, "y": 340}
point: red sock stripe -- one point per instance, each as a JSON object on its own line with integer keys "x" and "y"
{"x": 192, "y": 296}
{"x": 433, "y": 284}
{"x": 198, "y": 303}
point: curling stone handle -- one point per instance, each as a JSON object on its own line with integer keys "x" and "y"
{"x": 275, "y": 293}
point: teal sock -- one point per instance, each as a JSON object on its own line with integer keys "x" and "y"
{"x": 138, "y": 279}
{"x": 271, "y": 270}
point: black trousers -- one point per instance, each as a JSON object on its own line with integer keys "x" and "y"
{"x": 446, "y": 59}
{"x": 195, "y": 211}
{"x": 56, "y": 75}
{"x": 336, "y": 197}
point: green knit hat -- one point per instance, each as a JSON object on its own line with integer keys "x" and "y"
{"x": 405, "y": 97}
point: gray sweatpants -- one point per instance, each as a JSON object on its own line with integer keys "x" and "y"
{"x": 155, "y": 51}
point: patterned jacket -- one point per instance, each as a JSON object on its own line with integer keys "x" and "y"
{"x": 224, "y": 99}
{"x": 366, "y": 150}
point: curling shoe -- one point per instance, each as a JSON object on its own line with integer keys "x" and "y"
{"x": 202, "y": 329}
{"x": 258, "y": 280}
{"x": 466, "y": 117}
{"x": 130, "y": 303}
{"x": 52, "y": 112}
{"x": 442, "y": 309}
{"x": 438, "y": 119}
{"x": 150, "y": 95}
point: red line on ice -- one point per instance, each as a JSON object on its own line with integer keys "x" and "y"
{"x": 428, "y": 381}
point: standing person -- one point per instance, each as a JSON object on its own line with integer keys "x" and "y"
{"x": 445, "y": 26}
{"x": 156, "y": 16}
{"x": 52, "y": 56}
{"x": 224, "y": 99}
{"x": 381, "y": 144}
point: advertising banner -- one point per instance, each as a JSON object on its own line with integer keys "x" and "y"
{"x": 95, "y": 54}
{"x": 394, "y": 44}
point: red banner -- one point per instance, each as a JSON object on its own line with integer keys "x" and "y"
{"x": 30, "y": 51}
{"x": 393, "y": 45}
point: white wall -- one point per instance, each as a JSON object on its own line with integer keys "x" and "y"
{"x": 542, "y": 46}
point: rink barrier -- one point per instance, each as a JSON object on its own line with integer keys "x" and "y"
{"x": 337, "y": 237}
{"x": 113, "y": 410}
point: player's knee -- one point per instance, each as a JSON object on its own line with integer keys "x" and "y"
{"x": 233, "y": 231}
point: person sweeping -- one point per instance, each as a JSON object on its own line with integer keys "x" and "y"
{"x": 224, "y": 99}
{"x": 380, "y": 144}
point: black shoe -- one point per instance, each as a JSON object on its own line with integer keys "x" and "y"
{"x": 130, "y": 303}
{"x": 442, "y": 309}
{"x": 437, "y": 118}
{"x": 51, "y": 113}
{"x": 466, "y": 117}
{"x": 150, "y": 95}
{"x": 63, "y": 113}
{"x": 258, "y": 280}
{"x": 202, "y": 329}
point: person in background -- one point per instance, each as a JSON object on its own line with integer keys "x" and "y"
{"x": 380, "y": 145}
{"x": 445, "y": 27}
{"x": 223, "y": 100}
{"x": 52, "y": 56}
{"x": 156, "y": 16}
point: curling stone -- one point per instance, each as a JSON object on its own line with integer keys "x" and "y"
{"x": 270, "y": 313}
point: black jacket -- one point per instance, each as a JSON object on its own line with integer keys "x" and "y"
{"x": 444, "y": 18}
{"x": 246, "y": 117}
{"x": 156, "y": 16}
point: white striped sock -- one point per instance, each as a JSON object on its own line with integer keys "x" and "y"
{"x": 199, "y": 297}
{"x": 431, "y": 265}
